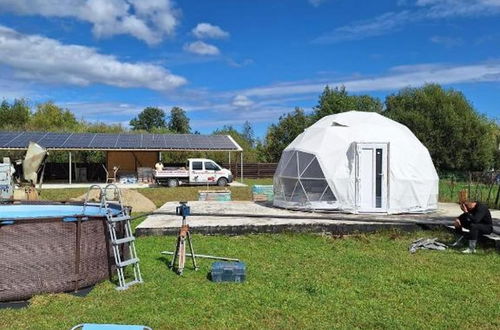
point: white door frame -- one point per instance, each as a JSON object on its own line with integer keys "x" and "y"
{"x": 385, "y": 183}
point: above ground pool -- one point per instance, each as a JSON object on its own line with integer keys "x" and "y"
{"x": 49, "y": 247}
{"x": 30, "y": 211}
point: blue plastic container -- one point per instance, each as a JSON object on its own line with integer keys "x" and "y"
{"x": 228, "y": 271}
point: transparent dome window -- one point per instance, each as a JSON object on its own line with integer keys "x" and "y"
{"x": 299, "y": 182}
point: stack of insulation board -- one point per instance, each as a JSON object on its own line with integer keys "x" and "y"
{"x": 145, "y": 174}
{"x": 128, "y": 179}
{"x": 214, "y": 195}
{"x": 262, "y": 193}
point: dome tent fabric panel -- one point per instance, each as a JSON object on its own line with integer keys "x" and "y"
{"x": 331, "y": 146}
{"x": 300, "y": 182}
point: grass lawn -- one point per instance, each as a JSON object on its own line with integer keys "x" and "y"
{"x": 294, "y": 281}
{"x": 62, "y": 194}
{"x": 251, "y": 182}
{"x": 161, "y": 195}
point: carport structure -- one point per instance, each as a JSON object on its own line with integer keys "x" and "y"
{"x": 127, "y": 148}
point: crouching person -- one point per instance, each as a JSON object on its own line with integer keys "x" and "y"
{"x": 476, "y": 218}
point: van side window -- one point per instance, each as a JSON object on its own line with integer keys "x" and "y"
{"x": 197, "y": 166}
{"x": 210, "y": 166}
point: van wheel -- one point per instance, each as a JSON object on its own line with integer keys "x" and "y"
{"x": 171, "y": 183}
{"x": 222, "y": 182}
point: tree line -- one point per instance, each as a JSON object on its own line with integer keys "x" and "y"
{"x": 457, "y": 136}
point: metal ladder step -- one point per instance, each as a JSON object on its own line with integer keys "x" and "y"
{"x": 124, "y": 240}
{"x": 127, "y": 241}
{"x": 129, "y": 284}
{"x": 120, "y": 218}
{"x": 128, "y": 262}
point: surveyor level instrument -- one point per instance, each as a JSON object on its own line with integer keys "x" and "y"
{"x": 179, "y": 259}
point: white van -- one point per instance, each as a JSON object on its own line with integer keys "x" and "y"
{"x": 198, "y": 171}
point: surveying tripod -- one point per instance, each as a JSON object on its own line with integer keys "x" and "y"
{"x": 180, "y": 247}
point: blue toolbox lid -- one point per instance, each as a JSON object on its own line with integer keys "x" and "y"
{"x": 234, "y": 267}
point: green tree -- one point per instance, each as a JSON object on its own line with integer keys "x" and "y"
{"x": 178, "y": 121}
{"x": 248, "y": 133}
{"x": 50, "y": 117}
{"x": 249, "y": 152}
{"x": 149, "y": 119}
{"x": 337, "y": 100}
{"x": 14, "y": 116}
{"x": 496, "y": 132}
{"x": 280, "y": 135}
{"x": 161, "y": 130}
{"x": 458, "y": 138}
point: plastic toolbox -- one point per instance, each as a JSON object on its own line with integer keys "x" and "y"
{"x": 228, "y": 271}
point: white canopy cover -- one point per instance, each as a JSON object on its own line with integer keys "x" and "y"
{"x": 357, "y": 162}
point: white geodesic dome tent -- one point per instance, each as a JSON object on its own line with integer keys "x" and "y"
{"x": 357, "y": 162}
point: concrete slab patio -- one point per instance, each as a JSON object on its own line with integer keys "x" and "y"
{"x": 249, "y": 217}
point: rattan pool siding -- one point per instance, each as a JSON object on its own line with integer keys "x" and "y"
{"x": 40, "y": 256}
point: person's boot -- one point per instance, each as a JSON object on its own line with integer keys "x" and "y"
{"x": 471, "y": 248}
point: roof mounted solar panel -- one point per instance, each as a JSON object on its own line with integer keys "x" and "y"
{"x": 108, "y": 141}
{"x": 6, "y": 137}
{"x": 175, "y": 141}
{"x": 223, "y": 142}
{"x": 54, "y": 140}
{"x": 105, "y": 141}
{"x": 201, "y": 142}
{"x": 78, "y": 141}
{"x": 153, "y": 141}
{"x": 129, "y": 141}
{"x": 23, "y": 139}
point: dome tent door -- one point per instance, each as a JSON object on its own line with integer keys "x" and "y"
{"x": 371, "y": 177}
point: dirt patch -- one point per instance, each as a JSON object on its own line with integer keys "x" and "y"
{"x": 133, "y": 198}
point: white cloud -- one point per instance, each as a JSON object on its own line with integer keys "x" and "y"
{"x": 10, "y": 89}
{"x": 241, "y": 101}
{"x": 460, "y": 8}
{"x": 207, "y": 30}
{"x": 37, "y": 58}
{"x": 201, "y": 48}
{"x": 147, "y": 20}
{"x": 97, "y": 110}
{"x": 239, "y": 64}
{"x": 316, "y": 3}
{"x": 400, "y": 77}
{"x": 448, "y": 42}
{"x": 422, "y": 10}
{"x": 368, "y": 28}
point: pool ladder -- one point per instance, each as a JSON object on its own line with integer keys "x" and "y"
{"x": 128, "y": 239}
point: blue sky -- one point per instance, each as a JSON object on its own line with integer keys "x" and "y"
{"x": 227, "y": 61}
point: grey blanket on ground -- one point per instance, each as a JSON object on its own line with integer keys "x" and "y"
{"x": 426, "y": 244}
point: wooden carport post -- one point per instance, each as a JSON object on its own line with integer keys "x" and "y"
{"x": 70, "y": 167}
{"x": 241, "y": 164}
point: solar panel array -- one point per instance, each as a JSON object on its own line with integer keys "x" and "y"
{"x": 101, "y": 141}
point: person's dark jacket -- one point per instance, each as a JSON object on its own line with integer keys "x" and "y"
{"x": 480, "y": 214}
